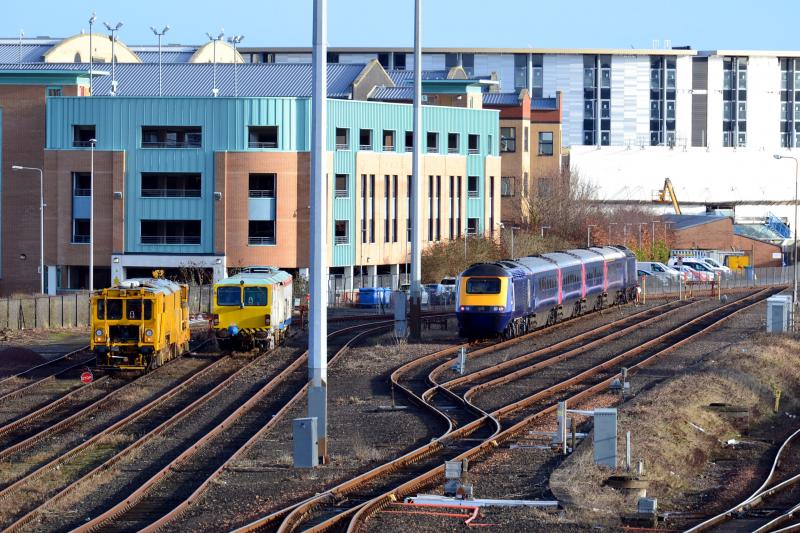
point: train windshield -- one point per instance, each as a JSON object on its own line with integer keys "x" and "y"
{"x": 134, "y": 309}
{"x": 229, "y": 296}
{"x": 483, "y": 286}
{"x": 255, "y": 296}
{"x": 113, "y": 307}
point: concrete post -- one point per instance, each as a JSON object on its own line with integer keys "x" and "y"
{"x": 372, "y": 274}
{"x": 318, "y": 319}
{"x": 416, "y": 185}
{"x": 349, "y": 273}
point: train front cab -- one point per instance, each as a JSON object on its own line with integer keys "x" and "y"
{"x": 615, "y": 273}
{"x": 484, "y": 305}
{"x": 242, "y": 316}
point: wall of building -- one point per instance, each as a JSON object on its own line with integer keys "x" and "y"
{"x": 760, "y": 252}
{"x": 718, "y": 235}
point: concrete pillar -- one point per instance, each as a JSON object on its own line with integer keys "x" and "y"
{"x": 372, "y": 273}
{"x": 52, "y": 282}
{"x": 117, "y": 270}
{"x": 394, "y": 270}
{"x": 349, "y": 272}
{"x": 220, "y": 269}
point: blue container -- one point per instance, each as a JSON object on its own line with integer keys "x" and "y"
{"x": 748, "y": 271}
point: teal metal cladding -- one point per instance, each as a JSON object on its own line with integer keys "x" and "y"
{"x": 224, "y": 124}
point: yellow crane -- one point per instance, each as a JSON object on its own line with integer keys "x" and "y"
{"x": 667, "y": 195}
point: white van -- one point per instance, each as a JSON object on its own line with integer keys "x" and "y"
{"x": 659, "y": 269}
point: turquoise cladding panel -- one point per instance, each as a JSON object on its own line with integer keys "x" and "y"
{"x": 356, "y": 115}
{"x": 224, "y": 122}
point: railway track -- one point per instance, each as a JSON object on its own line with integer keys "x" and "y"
{"x": 42, "y": 375}
{"x": 162, "y": 486}
{"x": 365, "y": 494}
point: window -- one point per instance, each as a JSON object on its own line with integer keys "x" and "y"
{"x": 262, "y": 137}
{"x": 483, "y": 285}
{"x": 409, "y": 141}
{"x": 433, "y": 142}
{"x": 170, "y": 231}
{"x": 520, "y": 71}
{"x": 452, "y": 143}
{"x": 80, "y": 230}
{"x": 171, "y": 137}
{"x": 388, "y": 141}
{"x": 54, "y": 91}
{"x": 387, "y": 208}
{"x": 525, "y": 184}
{"x": 508, "y": 139}
{"x": 545, "y": 143}
{"x": 262, "y": 186}
{"x": 507, "y": 184}
{"x": 81, "y": 135}
{"x": 473, "y": 143}
{"x": 229, "y": 296}
{"x": 260, "y": 232}
{"x": 342, "y": 186}
{"x": 81, "y": 184}
{"x": 365, "y": 139}
{"x": 342, "y": 139}
{"x": 525, "y": 140}
{"x": 255, "y": 296}
{"x": 170, "y": 185}
{"x": 363, "y": 208}
{"x": 472, "y": 226}
{"x": 545, "y": 187}
{"x": 472, "y": 186}
{"x": 114, "y": 309}
{"x": 341, "y": 235}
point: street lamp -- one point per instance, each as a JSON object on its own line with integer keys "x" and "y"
{"x": 113, "y": 31}
{"x": 236, "y": 39}
{"x": 794, "y": 269}
{"x": 41, "y": 222}
{"x": 92, "y": 19}
{"x": 214, "y": 90}
{"x": 92, "y": 143}
{"x": 159, "y": 34}
{"x": 653, "y": 238}
{"x": 19, "y": 54}
{"x": 589, "y": 234}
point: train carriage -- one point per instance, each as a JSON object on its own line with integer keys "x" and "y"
{"x": 140, "y": 324}
{"x": 252, "y": 309}
{"x": 509, "y": 298}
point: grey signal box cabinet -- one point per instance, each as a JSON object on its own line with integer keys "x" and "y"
{"x": 605, "y": 437}
{"x": 305, "y": 444}
{"x": 778, "y": 312}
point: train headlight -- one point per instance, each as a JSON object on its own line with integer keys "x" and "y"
{"x": 99, "y": 332}
{"x": 148, "y": 332}
{"x": 499, "y": 308}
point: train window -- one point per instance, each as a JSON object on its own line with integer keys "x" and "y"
{"x": 229, "y": 296}
{"x": 255, "y": 296}
{"x": 148, "y": 309}
{"x": 483, "y": 286}
{"x": 114, "y": 309}
{"x": 101, "y": 310}
{"x": 133, "y": 309}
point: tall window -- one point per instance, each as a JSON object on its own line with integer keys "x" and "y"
{"x": 438, "y": 207}
{"x": 507, "y": 186}
{"x": 388, "y": 140}
{"x": 364, "y": 213}
{"x": 491, "y": 204}
{"x": 430, "y": 208}
{"x": 662, "y": 100}
{"x": 342, "y": 139}
{"x": 262, "y": 186}
{"x": 365, "y": 139}
{"x": 394, "y": 210}
{"x": 596, "y": 99}
{"x": 472, "y": 186}
{"x": 387, "y": 206}
{"x": 525, "y": 140}
{"x": 508, "y": 139}
{"x": 545, "y": 143}
{"x": 372, "y": 208}
{"x": 472, "y": 226}
{"x": 341, "y": 233}
{"x": 433, "y": 142}
{"x": 734, "y": 101}
{"x": 410, "y": 183}
{"x": 409, "y": 137}
{"x": 451, "y": 205}
{"x": 458, "y": 207}
{"x": 452, "y": 143}
{"x": 81, "y": 184}
{"x": 790, "y": 102}
{"x": 342, "y": 186}
{"x": 473, "y": 143}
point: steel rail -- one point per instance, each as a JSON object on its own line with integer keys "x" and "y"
{"x": 16, "y": 392}
{"x": 132, "y": 499}
{"x": 183, "y": 506}
{"x": 371, "y": 507}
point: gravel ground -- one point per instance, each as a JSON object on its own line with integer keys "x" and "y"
{"x": 524, "y": 472}
{"x": 363, "y": 432}
{"x": 46, "y": 485}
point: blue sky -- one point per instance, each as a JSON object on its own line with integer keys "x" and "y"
{"x": 703, "y": 24}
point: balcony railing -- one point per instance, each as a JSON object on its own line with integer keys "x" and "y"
{"x": 342, "y": 193}
{"x": 472, "y": 194}
{"x": 170, "y": 239}
{"x": 81, "y": 192}
{"x": 261, "y": 193}
{"x": 409, "y": 148}
{"x": 433, "y": 149}
{"x": 80, "y": 239}
{"x": 452, "y": 150}
{"x": 81, "y": 144}
{"x": 388, "y": 148}
{"x": 171, "y": 144}
{"x": 170, "y": 193}
{"x": 260, "y": 241}
{"x": 473, "y": 151}
{"x": 342, "y": 146}
{"x": 341, "y": 239}
{"x": 260, "y": 144}
{"x": 365, "y": 147}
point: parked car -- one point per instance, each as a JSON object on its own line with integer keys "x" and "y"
{"x": 657, "y": 268}
{"x": 692, "y": 275}
{"x": 652, "y": 277}
{"x": 424, "y": 297}
{"x": 699, "y": 265}
{"x": 449, "y": 284}
{"x": 438, "y": 293}
{"x": 715, "y": 264}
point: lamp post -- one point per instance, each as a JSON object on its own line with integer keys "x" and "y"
{"x": 159, "y": 34}
{"x": 113, "y": 31}
{"x": 41, "y": 221}
{"x": 236, "y": 39}
{"x": 214, "y": 90}
{"x": 19, "y": 51}
{"x": 589, "y": 234}
{"x": 653, "y": 238}
{"x": 513, "y": 228}
{"x": 92, "y": 19}
{"x": 794, "y": 266}
{"x": 92, "y": 143}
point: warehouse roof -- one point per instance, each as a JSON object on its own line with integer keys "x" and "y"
{"x": 681, "y": 222}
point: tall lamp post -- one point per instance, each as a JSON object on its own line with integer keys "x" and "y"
{"x": 794, "y": 266}
{"x": 113, "y": 31}
{"x": 19, "y": 50}
{"x": 159, "y": 34}
{"x": 41, "y": 222}
{"x": 235, "y": 40}
{"x": 92, "y": 19}
{"x": 214, "y": 90}
{"x": 92, "y": 143}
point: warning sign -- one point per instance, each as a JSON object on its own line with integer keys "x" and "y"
{"x": 87, "y": 377}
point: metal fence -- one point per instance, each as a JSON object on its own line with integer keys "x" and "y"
{"x": 737, "y": 279}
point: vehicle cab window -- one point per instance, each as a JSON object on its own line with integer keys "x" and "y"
{"x": 255, "y": 296}
{"x": 229, "y": 296}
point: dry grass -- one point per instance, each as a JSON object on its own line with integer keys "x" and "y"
{"x": 675, "y": 453}
{"x": 365, "y": 452}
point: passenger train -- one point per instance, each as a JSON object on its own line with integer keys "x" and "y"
{"x": 252, "y": 309}
{"x": 512, "y": 297}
